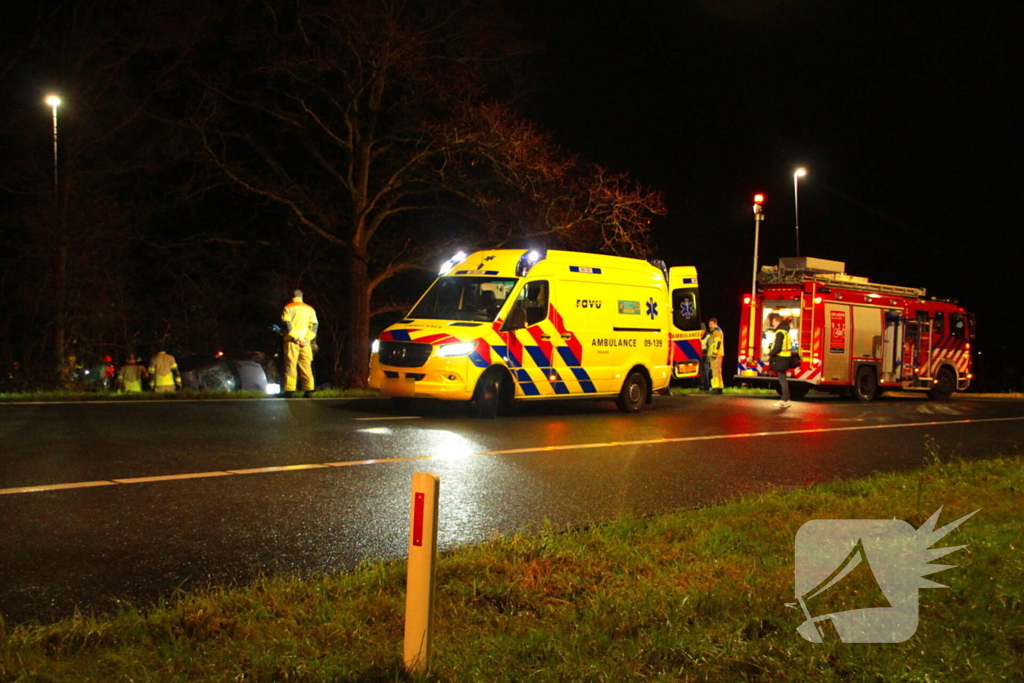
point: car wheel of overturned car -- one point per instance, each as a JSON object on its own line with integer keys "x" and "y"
{"x": 865, "y": 384}
{"x": 944, "y": 385}
{"x": 633, "y": 394}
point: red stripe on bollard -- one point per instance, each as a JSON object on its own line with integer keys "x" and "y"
{"x": 417, "y": 521}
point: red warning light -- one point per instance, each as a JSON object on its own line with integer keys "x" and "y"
{"x": 746, "y": 299}
{"x": 759, "y": 199}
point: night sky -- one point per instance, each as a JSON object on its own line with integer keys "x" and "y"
{"x": 905, "y": 114}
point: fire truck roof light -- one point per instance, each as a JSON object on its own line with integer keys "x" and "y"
{"x": 746, "y": 299}
{"x": 758, "y": 198}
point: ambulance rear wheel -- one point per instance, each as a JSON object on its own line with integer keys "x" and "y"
{"x": 865, "y": 384}
{"x": 944, "y": 385}
{"x": 634, "y": 393}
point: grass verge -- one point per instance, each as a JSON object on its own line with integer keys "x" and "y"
{"x": 696, "y": 595}
{"x": 85, "y": 396}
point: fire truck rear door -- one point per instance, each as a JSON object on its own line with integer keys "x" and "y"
{"x": 837, "y": 349}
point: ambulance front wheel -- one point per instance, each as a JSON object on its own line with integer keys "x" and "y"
{"x": 401, "y": 405}
{"x": 634, "y": 393}
{"x": 494, "y": 393}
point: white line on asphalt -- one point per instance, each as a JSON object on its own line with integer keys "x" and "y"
{"x": 512, "y": 451}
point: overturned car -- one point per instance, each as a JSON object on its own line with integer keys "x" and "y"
{"x": 223, "y": 374}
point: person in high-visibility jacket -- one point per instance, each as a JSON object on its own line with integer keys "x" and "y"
{"x": 300, "y": 330}
{"x": 716, "y": 352}
{"x": 782, "y": 349}
{"x": 164, "y": 370}
{"x": 130, "y": 376}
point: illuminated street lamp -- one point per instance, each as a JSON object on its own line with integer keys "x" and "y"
{"x": 54, "y": 101}
{"x": 758, "y": 217}
{"x": 800, "y": 173}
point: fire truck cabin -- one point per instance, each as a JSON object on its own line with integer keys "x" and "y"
{"x": 855, "y": 337}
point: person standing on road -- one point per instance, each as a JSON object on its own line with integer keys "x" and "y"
{"x": 716, "y": 352}
{"x": 130, "y": 376}
{"x": 300, "y": 330}
{"x": 164, "y": 369}
{"x": 778, "y": 357}
{"x": 705, "y": 362}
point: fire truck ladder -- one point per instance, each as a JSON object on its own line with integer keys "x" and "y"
{"x": 770, "y": 275}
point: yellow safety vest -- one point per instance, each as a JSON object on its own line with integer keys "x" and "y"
{"x": 787, "y": 344}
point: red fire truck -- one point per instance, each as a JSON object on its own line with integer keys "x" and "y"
{"x": 855, "y": 337}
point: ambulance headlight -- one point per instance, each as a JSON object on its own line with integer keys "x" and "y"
{"x": 375, "y": 346}
{"x": 460, "y": 349}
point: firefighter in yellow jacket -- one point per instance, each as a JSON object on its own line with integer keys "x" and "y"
{"x": 130, "y": 376}
{"x": 164, "y": 370}
{"x": 716, "y": 351}
{"x": 300, "y": 330}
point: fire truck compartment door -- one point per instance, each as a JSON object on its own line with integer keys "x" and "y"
{"x": 837, "y": 347}
{"x": 893, "y": 357}
{"x": 867, "y": 332}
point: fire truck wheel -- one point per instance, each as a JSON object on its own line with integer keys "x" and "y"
{"x": 866, "y": 383}
{"x": 944, "y": 386}
{"x": 633, "y": 394}
{"x": 798, "y": 390}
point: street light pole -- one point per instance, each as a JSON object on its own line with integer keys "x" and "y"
{"x": 54, "y": 101}
{"x": 758, "y": 217}
{"x": 800, "y": 173}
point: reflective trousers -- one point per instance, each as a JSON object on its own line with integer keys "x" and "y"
{"x": 716, "y": 373}
{"x": 298, "y": 360}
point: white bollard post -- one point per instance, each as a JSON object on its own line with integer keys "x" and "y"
{"x": 419, "y": 588}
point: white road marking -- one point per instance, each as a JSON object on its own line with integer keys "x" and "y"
{"x": 511, "y": 451}
{"x": 402, "y": 417}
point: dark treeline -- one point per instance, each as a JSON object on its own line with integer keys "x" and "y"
{"x": 214, "y": 156}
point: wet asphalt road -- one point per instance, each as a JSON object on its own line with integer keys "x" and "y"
{"x": 88, "y": 546}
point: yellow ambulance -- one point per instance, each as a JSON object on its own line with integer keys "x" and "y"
{"x": 505, "y": 325}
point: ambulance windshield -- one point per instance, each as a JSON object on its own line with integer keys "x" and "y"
{"x": 477, "y": 299}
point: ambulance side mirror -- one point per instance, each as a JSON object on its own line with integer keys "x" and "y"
{"x": 516, "y": 320}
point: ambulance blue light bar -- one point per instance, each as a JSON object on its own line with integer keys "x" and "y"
{"x": 458, "y": 258}
{"x": 528, "y": 260}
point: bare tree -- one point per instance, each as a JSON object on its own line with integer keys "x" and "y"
{"x": 358, "y": 116}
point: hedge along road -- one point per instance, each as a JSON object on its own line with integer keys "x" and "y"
{"x": 101, "y": 502}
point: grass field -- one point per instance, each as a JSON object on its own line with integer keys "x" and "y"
{"x": 697, "y": 595}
